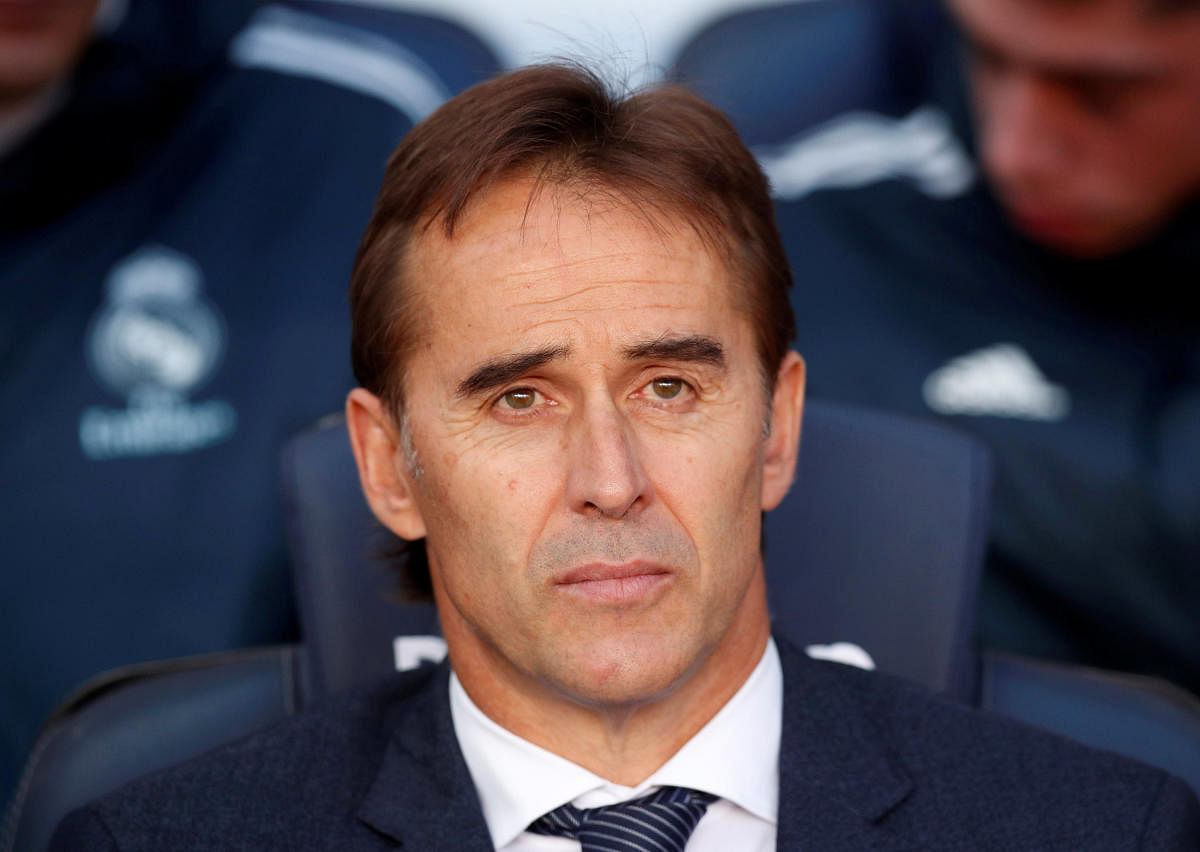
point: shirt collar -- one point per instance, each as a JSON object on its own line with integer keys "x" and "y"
{"x": 735, "y": 757}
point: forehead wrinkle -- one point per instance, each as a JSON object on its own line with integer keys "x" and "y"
{"x": 615, "y": 265}
{"x": 593, "y": 308}
{"x": 566, "y": 248}
{"x": 565, "y": 297}
{"x": 529, "y": 293}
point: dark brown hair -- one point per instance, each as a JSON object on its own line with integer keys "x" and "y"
{"x": 664, "y": 151}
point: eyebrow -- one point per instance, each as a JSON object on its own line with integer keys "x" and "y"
{"x": 1090, "y": 71}
{"x": 502, "y": 370}
{"x": 693, "y": 347}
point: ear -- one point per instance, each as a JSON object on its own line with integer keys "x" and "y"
{"x": 382, "y": 468}
{"x": 783, "y": 443}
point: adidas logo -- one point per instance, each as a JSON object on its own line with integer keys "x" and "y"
{"x": 862, "y": 148}
{"x": 1000, "y": 380}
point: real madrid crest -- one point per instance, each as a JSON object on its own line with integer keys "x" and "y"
{"x": 155, "y": 340}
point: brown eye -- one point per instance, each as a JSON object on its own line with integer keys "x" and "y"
{"x": 519, "y": 398}
{"x": 667, "y": 388}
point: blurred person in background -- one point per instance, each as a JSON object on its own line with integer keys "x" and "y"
{"x": 182, "y": 186}
{"x": 993, "y": 212}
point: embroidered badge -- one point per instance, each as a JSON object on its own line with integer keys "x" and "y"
{"x": 155, "y": 340}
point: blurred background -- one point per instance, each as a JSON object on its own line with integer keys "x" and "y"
{"x": 641, "y": 38}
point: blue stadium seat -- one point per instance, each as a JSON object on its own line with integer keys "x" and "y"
{"x": 880, "y": 543}
{"x": 348, "y": 601}
{"x": 782, "y": 69}
{"x": 136, "y": 719}
{"x": 1146, "y": 718}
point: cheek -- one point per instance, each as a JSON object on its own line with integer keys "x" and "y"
{"x": 1164, "y": 170}
{"x": 486, "y": 505}
{"x": 713, "y": 487}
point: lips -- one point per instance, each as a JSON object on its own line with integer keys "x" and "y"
{"x": 615, "y": 584}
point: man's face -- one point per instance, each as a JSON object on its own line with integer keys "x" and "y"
{"x": 1088, "y": 116}
{"x": 40, "y": 40}
{"x": 587, "y": 415}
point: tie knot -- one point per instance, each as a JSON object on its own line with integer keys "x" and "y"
{"x": 660, "y": 822}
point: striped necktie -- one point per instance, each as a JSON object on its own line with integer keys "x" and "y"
{"x": 660, "y": 822}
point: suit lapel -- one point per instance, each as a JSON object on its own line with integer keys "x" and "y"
{"x": 836, "y": 780}
{"x": 423, "y": 796}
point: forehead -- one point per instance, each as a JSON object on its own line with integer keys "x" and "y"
{"x": 562, "y": 265}
{"x": 1121, "y": 35}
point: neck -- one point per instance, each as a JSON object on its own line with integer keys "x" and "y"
{"x": 623, "y": 743}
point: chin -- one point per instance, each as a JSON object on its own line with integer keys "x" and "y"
{"x": 631, "y": 670}
{"x": 1083, "y": 235}
{"x": 1091, "y": 247}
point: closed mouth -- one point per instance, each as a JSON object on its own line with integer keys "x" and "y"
{"x": 625, "y": 583}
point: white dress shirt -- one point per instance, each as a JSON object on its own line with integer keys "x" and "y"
{"x": 735, "y": 757}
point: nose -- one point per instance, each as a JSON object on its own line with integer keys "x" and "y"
{"x": 1023, "y": 141}
{"x": 606, "y": 477}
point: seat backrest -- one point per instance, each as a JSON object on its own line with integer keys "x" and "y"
{"x": 879, "y": 544}
{"x": 139, "y": 718}
{"x": 1141, "y": 717}
{"x": 347, "y": 595}
{"x": 781, "y": 69}
{"x": 457, "y": 55}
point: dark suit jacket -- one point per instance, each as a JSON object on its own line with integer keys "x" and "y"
{"x": 867, "y": 762}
